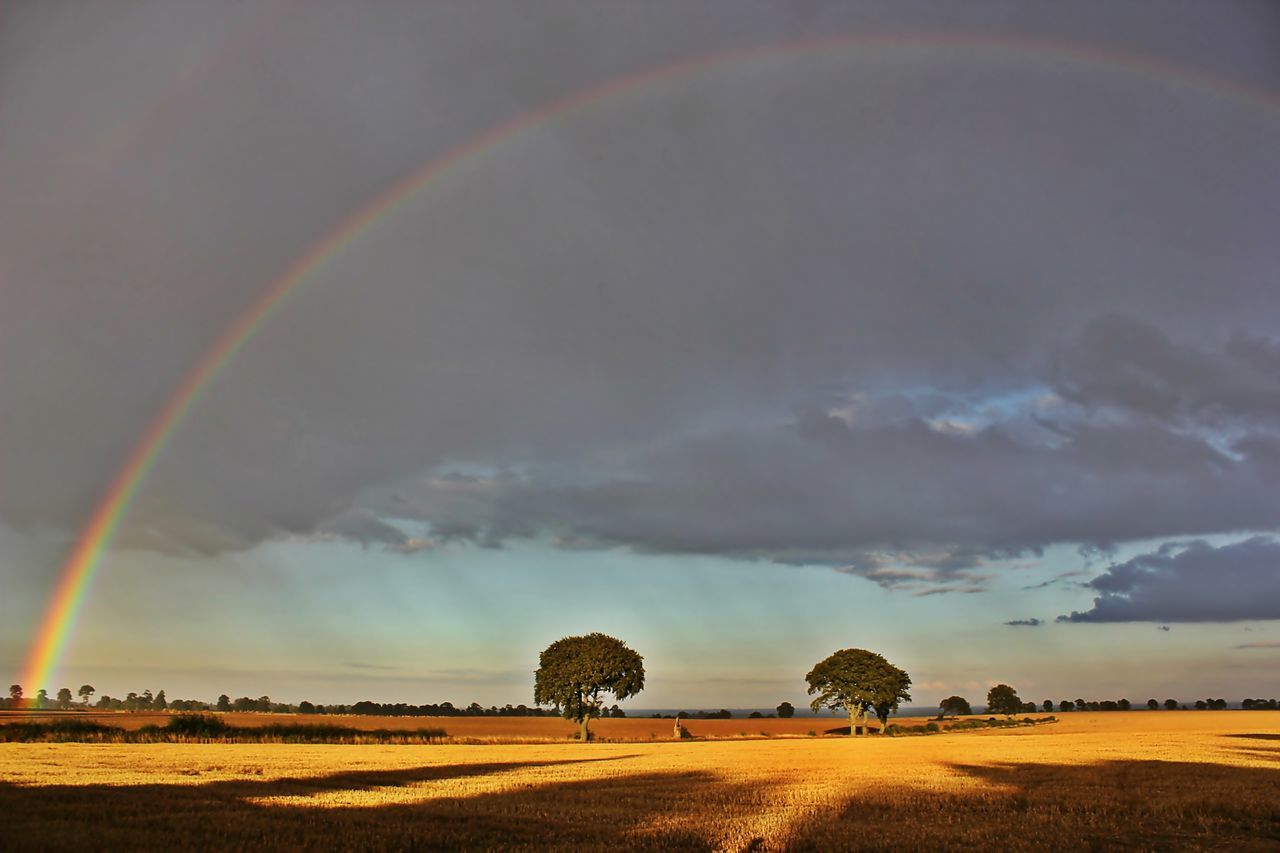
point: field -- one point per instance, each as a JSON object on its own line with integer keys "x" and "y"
{"x": 482, "y": 729}
{"x": 1151, "y": 780}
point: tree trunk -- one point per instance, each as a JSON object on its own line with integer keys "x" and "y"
{"x": 855, "y": 727}
{"x": 586, "y": 735}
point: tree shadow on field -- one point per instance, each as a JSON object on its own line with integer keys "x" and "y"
{"x": 643, "y": 810}
{"x": 1256, "y": 736}
{"x": 1100, "y": 806}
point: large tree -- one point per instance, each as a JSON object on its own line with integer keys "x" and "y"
{"x": 858, "y": 681}
{"x": 1003, "y": 699}
{"x": 85, "y": 691}
{"x": 955, "y": 706}
{"x": 574, "y": 672}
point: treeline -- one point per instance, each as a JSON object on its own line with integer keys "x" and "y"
{"x": 147, "y": 701}
{"x": 1003, "y": 699}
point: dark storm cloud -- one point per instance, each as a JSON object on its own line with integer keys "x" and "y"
{"x": 1191, "y": 582}
{"x": 906, "y": 312}
{"x": 1133, "y": 366}
{"x": 1025, "y": 623}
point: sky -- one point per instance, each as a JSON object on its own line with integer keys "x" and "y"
{"x": 943, "y": 330}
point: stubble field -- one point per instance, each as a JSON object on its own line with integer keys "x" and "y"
{"x": 1150, "y": 780}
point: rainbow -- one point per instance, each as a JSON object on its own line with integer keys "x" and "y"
{"x": 95, "y": 538}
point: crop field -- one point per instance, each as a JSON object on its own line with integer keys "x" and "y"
{"x": 1151, "y": 780}
{"x": 486, "y": 729}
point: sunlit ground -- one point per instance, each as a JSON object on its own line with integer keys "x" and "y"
{"x": 1151, "y": 779}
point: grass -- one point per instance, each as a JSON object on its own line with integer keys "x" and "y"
{"x": 1100, "y": 781}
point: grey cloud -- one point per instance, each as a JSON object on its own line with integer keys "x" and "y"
{"x": 1274, "y": 645}
{"x": 898, "y": 505}
{"x": 1132, "y": 365}
{"x": 1190, "y": 582}
{"x": 1028, "y": 623}
{"x": 791, "y": 310}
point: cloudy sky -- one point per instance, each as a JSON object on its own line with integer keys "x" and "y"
{"x": 947, "y": 330}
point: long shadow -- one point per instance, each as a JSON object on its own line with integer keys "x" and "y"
{"x": 621, "y": 810}
{"x": 1015, "y": 805}
{"x": 1256, "y": 736}
{"x": 1100, "y": 806}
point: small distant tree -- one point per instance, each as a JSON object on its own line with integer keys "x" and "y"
{"x": 223, "y": 704}
{"x": 574, "y": 672}
{"x": 305, "y": 707}
{"x": 955, "y": 706}
{"x": 1200, "y": 705}
{"x": 160, "y": 703}
{"x": 786, "y": 710}
{"x": 1082, "y": 705}
{"x": 1153, "y": 705}
{"x": 1124, "y": 704}
{"x": 85, "y": 693}
{"x": 64, "y": 698}
{"x": 1048, "y": 706}
{"x": 262, "y": 703}
{"x": 15, "y": 696}
{"x": 146, "y": 702}
{"x": 1066, "y": 705}
{"x": 857, "y": 681}
{"x": 42, "y": 699}
{"x": 1002, "y": 699}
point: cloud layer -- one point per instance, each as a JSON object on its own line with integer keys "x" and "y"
{"x": 903, "y": 312}
{"x": 1192, "y": 582}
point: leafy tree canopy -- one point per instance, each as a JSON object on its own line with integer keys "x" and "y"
{"x": 956, "y": 706}
{"x": 574, "y": 672}
{"x": 857, "y": 680}
{"x": 1002, "y": 699}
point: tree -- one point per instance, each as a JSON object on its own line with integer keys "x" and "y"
{"x": 85, "y": 692}
{"x": 305, "y": 707}
{"x": 858, "y": 681}
{"x": 1048, "y": 706}
{"x": 224, "y": 703}
{"x": 160, "y": 703}
{"x": 1002, "y": 699}
{"x": 42, "y": 699}
{"x": 1082, "y": 705}
{"x": 15, "y": 696}
{"x": 955, "y": 706}
{"x": 786, "y": 710}
{"x": 1066, "y": 705}
{"x": 64, "y": 698}
{"x": 573, "y": 672}
{"x": 1153, "y": 705}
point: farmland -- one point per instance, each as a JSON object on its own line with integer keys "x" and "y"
{"x": 1151, "y": 779}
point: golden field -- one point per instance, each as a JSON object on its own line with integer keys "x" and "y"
{"x": 1150, "y": 780}
{"x": 468, "y": 729}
